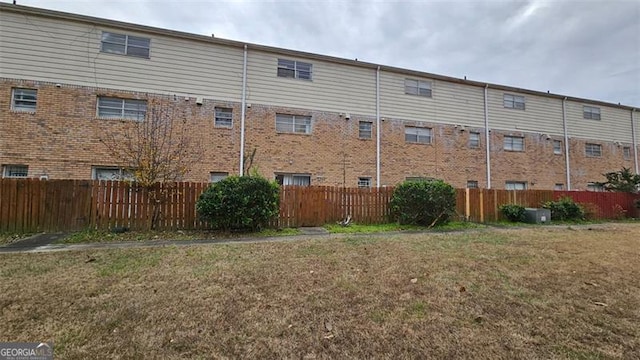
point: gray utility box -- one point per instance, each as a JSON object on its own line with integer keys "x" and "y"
{"x": 537, "y": 216}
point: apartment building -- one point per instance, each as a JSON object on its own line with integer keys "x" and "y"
{"x": 66, "y": 80}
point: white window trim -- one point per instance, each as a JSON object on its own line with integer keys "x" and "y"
{"x": 370, "y": 130}
{"x": 224, "y": 114}
{"x": 126, "y": 45}
{"x": 27, "y": 109}
{"x": 515, "y": 185}
{"x": 591, "y": 112}
{"x": 364, "y": 182}
{"x": 418, "y": 85}
{"x": 216, "y": 176}
{"x": 122, "y": 173}
{"x": 474, "y": 143}
{"x": 296, "y": 121}
{"x": 589, "y": 147}
{"x": 6, "y": 171}
{"x": 296, "y": 65}
{"x": 294, "y": 179}
{"x": 516, "y": 102}
{"x": 508, "y": 143}
{"x": 558, "y": 150}
{"x": 420, "y": 133}
{"x": 122, "y": 108}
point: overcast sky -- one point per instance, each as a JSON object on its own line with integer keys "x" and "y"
{"x": 580, "y": 48}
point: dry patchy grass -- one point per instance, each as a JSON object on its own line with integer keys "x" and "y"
{"x": 512, "y": 293}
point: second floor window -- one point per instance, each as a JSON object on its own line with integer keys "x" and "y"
{"x": 122, "y": 44}
{"x": 24, "y": 100}
{"x": 593, "y": 150}
{"x": 417, "y": 135}
{"x": 115, "y": 108}
{"x": 293, "y": 124}
{"x": 294, "y": 69}
{"x": 364, "y": 129}
{"x": 513, "y": 143}
{"x": 224, "y": 117}
{"x": 557, "y": 147}
{"x": 474, "y": 140}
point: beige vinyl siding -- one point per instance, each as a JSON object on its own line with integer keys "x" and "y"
{"x": 72, "y": 53}
{"x": 541, "y": 114}
{"x": 449, "y": 103}
{"x": 614, "y": 123}
{"x": 334, "y": 87}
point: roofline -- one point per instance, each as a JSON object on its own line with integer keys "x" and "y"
{"x": 28, "y": 10}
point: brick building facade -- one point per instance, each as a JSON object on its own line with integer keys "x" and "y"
{"x": 304, "y": 130}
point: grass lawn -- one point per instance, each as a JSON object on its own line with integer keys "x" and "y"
{"x": 533, "y": 293}
{"x": 93, "y": 236}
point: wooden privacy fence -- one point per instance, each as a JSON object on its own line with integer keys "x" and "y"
{"x": 30, "y": 205}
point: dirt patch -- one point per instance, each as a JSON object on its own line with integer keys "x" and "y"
{"x": 519, "y": 293}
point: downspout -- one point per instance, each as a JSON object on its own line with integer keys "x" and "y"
{"x": 244, "y": 107}
{"x": 566, "y": 142}
{"x": 378, "y": 127}
{"x": 635, "y": 141}
{"x": 486, "y": 134}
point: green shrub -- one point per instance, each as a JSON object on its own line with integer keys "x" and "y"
{"x": 239, "y": 203}
{"x": 565, "y": 209}
{"x": 426, "y": 202}
{"x": 513, "y": 212}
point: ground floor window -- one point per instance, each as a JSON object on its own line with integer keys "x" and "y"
{"x": 15, "y": 171}
{"x": 217, "y": 176}
{"x": 111, "y": 173}
{"x": 294, "y": 179}
{"x": 515, "y": 185}
{"x": 364, "y": 182}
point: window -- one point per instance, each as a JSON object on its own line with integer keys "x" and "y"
{"x": 223, "y": 117}
{"x": 417, "y": 87}
{"x": 24, "y": 100}
{"x": 557, "y": 147}
{"x": 365, "y": 129}
{"x": 294, "y": 179}
{"x": 515, "y": 185}
{"x": 217, "y": 176}
{"x": 626, "y": 152}
{"x": 472, "y": 184}
{"x": 111, "y": 173}
{"x": 513, "y": 101}
{"x": 15, "y": 171}
{"x": 293, "y": 124}
{"x": 114, "y": 108}
{"x": 294, "y": 69}
{"x": 594, "y": 186}
{"x": 417, "y": 135}
{"x": 514, "y": 143}
{"x": 113, "y": 43}
{"x": 474, "y": 140}
{"x": 591, "y": 112}
{"x": 558, "y": 187}
{"x": 593, "y": 150}
{"x": 364, "y": 182}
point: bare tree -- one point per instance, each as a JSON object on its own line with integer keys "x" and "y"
{"x": 159, "y": 150}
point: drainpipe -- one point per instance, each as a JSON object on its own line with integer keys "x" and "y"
{"x": 244, "y": 107}
{"x": 635, "y": 140}
{"x": 566, "y": 142}
{"x": 486, "y": 133}
{"x": 378, "y": 127}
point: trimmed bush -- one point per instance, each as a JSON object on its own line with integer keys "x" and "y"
{"x": 426, "y": 202}
{"x": 565, "y": 209}
{"x": 513, "y": 212}
{"x": 239, "y": 203}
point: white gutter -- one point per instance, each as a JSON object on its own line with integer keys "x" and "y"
{"x": 378, "y": 127}
{"x": 635, "y": 140}
{"x": 244, "y": 107}
{"x": 486, "y": 133}
{"x": 566, "y": 142}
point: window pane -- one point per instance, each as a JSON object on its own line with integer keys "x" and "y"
{"x": 217, "y": 176}
{"x": 113, "y": 48}
{"x": 411, "y": 137}
{"x": 138, "y": 51}
{"x": 288, "y": 64}
{"x": 16, "y": 171}
{"x": 365, "y": 130}
{"x": 113, "y": 38}
{"x": 286, "y": 72}
{"x": 138, "y": 42}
